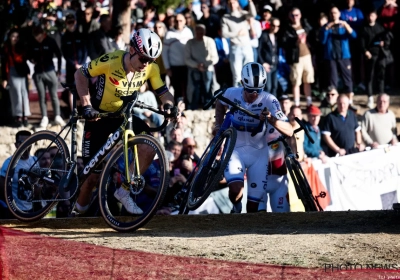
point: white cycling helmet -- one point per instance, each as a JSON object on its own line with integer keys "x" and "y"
{"x": 254, "y": 76}
{"x": 146, "y": 43}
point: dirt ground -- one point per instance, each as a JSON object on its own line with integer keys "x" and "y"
{"x": 298, "y": 239}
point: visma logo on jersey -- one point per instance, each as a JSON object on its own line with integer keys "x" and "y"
{"x": 110, "y": 143}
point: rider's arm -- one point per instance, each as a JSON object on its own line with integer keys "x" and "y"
{"x": 82, "y": 86}
{"x": 283, "y": 127}
{"x": 157, "y": 83}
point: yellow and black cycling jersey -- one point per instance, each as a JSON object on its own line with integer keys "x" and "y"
{"x": 108, "y": 76}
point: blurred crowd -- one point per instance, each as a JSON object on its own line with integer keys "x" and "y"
{"x": 326, "y": 50}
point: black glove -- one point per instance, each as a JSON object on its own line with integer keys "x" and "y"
{"x": 89, "y": 113}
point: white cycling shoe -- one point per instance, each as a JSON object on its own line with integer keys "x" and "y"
{"x": 123, "y": 196}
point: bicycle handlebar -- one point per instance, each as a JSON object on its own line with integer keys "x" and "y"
{"x": 302, "y": 127}
{"x": 126, "y": 100}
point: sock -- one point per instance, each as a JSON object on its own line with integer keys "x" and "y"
{"x": 237, "y": 207}
{"x": 81, "y": 209}
{"x": 309, "y": 100}
{"x": 351, "y": 101}
{"x": 297, "y": 102}
{"x": 371, "y": 99}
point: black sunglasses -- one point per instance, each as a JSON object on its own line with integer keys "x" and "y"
{"x": 251, "y": 90}
{"x": 145, "y": 60}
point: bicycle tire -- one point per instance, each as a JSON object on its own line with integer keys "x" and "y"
{"x": 115, "y": 218}
{"x": 210, "y": 172}
{"x": 40, "y": 139}
{"x": 301, "y": 185}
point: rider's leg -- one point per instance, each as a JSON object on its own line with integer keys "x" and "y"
{"x": 85, "y": 192}
{"x": 236, "y": 195}
{"x": 234, "y": 175}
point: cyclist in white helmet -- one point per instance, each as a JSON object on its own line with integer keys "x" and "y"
{"x": 100, "y": 84}
{"x": 250, "y": 154}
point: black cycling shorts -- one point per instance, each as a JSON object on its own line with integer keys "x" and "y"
{"x": 96, "y": 133}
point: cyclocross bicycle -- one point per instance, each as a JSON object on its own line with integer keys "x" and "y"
{"x": 198, "y": 188}
{"x": 33, "y": 189}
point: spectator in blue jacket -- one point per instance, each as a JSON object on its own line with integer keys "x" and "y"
{"x": 335, "y": 39}
{"x": 314, "y": 150}
{"x": 355, "y": 18}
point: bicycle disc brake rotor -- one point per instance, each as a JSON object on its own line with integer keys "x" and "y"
{"x": 137, "y": 184}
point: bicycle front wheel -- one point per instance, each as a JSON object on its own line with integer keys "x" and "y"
{"x": 301, "y": 185}
{"x": 33, "y": 175}
{"x": 211, "y": 167}
{"x": 147, "y": 188}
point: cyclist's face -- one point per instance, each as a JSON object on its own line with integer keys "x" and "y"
{"x": 138, "y": 63}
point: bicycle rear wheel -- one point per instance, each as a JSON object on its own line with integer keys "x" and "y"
{"x": 210, "y": 170}
{"x": 301, "y": 185}
{"x": 33, "y": 175}
{"x": 147, "y": 189}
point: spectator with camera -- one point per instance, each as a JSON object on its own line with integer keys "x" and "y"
{"x": 335, "y": 39}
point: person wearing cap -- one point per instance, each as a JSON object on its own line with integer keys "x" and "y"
{"x": 314, "y": 150}
{"x": 266, "y": 17}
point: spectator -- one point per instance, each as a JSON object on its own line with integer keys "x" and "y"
{"x": 374, "y": 45}
{"x": 285, "y": 103}
{"x": 74, "y": 50}
{"x": 223, "y": 71}
{"x": 266, "y": 17}
{"x": 188, "y": 151}
{"x": 43, "y": 157}
{"x": 118, "y": 42}
{"x": 190, "y": 22}
{"x": 295, "y": 112}
{"x": 176, "y": 135}
{"x": 268, "y": 55}
{"x": 26, "y": 162}
{"x": 320, "y": 77}
{"x": 148, "y": 98}
{"x": 100, "y": 41}
{"x": 200, "y": 56}
{"x": 175, "y": 147}
{"x": 174, "y": 61}
{"x": 388, "y": 14}
{"x": 14, "y": 72}
{"x": 355, "y": 18}
{"x": 298, "y": 55}
{"x": 161, "y": 29}
{"x": 42, "y": 51}
{"x": 88, "y": 24}
{"x": 236, "y": 26}
{"x": 255, "y": 37}
{"x": 314, "y": 150}
{"x": 341, "y": 132}
{"x": 335, "y": 38}
{"x": 328, "y": 105}
{"x": 378, "y": 126}
{"x": 211, "y": 21}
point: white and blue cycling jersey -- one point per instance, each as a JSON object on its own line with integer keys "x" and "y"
{"x": 245, "y": 124}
